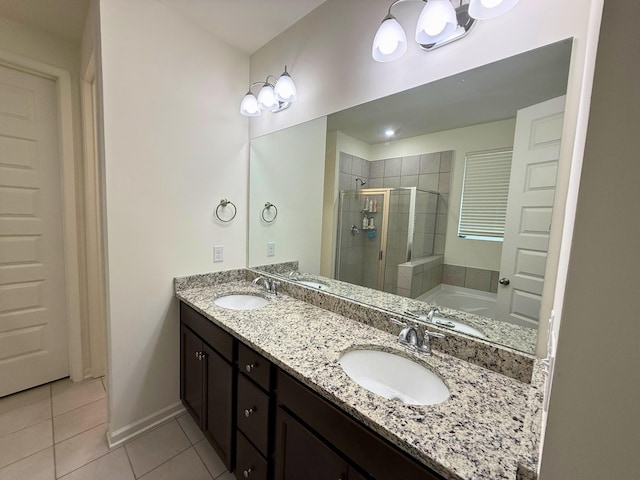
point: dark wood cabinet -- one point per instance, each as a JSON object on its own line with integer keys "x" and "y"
{"x": 249, "y": 462}
{"x": 302, "y": 455}
{"x": 207, "y": 385}
{"x": 219, "y": 411}
{"x": 364, "y": 450}
{"x": 266, "y": 425}
{"x": 191, "y": 374}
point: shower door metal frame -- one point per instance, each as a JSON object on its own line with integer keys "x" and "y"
{"x": 386, "y": 193}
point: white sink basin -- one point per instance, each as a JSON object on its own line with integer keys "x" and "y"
{"x": 458, "y": 326}
{"x": 241, "y": 302}
{"x": 394, "y": 377}
{"x": 314, "y": 284}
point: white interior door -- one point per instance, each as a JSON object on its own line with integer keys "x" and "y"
{"x": 532, "y": 185}
{"x": 33, "y": 328}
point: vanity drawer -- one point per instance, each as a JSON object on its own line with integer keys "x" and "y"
{"x": 253, "y": 413}
{"x": 363, "y": 447}
{"x": 216, "y": 337}
{"x": 254, "y": 366}
{"x": 249, "y": 462}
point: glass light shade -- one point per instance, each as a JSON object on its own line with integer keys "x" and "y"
{"x": 285, "y": 89}
{"x": 390, "y": 42}
{"x": 249, "y": 106}
{"x": 267, "y": 98}
{"x": 437, "y": 22}
{"x": 486, "y": 9}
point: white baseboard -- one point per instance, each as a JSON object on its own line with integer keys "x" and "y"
{"x": 143, "y": 425}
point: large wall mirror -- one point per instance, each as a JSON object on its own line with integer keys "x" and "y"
{"x": 439, "y": 196}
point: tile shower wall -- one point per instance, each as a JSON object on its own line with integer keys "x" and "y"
{"x": 431, "y": 171}
{"x": 428, "y": 171}
{"x": 352, "y": 167}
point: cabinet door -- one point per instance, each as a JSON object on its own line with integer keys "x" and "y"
{"x": 301, "y": 455}
{"x": 191, "y": 374}
{"x": 219, "y": 418}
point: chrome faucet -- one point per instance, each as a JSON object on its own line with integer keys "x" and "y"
{"x": 409, "y": 336}
{"x": 270, "y": 286}
{"x": 294, "y": 275}
{"x": 431, "y": 313}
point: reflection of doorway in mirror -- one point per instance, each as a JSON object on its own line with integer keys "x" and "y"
{"x": 532, "y": 185}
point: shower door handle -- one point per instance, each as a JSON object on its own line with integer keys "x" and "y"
{"x": 380, "y": 255}
{"x": 504, "y": 281}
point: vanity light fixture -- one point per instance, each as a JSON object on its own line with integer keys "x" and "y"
{"x": 439, "y": 23}
{"x": 274, "y": 98}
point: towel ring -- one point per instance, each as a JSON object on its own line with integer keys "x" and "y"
{"x": 268, "y": 206}
{"x": 223, "y": 203}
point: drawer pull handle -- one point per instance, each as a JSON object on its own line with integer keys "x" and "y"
{"x": 247, "y": 472}
{"x": 249, "y": 411}
{"x": 199, "y": 355}
{"x": 249, "y": 366}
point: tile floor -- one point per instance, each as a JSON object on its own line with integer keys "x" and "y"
{"x": 59, "y": 431}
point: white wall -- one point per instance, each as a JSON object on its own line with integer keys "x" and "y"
{"x": 593, "y": 428}
{"x": 174, "y": 145}
{"x": 286, "y": 168}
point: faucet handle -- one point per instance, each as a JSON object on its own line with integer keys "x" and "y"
{"x": 428, "y": 334}
{"x": 426, "y": 341}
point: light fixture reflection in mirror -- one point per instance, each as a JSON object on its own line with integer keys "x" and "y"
{"x": 469, "y": 112}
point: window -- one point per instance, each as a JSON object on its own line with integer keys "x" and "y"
{"x": 485, "y": 190}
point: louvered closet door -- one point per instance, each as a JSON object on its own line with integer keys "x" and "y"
{"x": 33, "y": 329}
{"x": 532, "y": 189}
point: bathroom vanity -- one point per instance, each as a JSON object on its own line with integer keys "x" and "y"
{"x": 267, "y": 389}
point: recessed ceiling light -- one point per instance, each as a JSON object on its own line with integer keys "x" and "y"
{"x": 389, "y": 132}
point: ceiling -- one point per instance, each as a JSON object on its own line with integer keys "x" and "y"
{"x": 486, "y": 94}
{"x": 244, "y": 24}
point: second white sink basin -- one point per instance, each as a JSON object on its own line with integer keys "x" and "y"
{"x": 458, "y": 326}
{"x": 241, "y": 302}
{"x": 314, "y": 284}
{"x": 394, "y": 377}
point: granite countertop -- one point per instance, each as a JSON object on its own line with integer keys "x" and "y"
{"x": 480, "y": 432}
{"x": 503, "y": 333}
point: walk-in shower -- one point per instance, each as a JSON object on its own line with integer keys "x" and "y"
{"x": 380, "y": 229}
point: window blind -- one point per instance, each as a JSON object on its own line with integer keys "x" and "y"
{"x": 485, "y": 192}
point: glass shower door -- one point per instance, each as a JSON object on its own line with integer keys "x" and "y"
{"x": 359, "y": 258}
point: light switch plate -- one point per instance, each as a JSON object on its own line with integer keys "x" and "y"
{"x": 271, "y": 249}
{"x": 218, "y": 253}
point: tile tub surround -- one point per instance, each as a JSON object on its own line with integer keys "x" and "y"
{"x": 356, "y": 303}
{"x": 479, "y": 432}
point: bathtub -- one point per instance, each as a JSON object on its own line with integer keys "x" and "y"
{"x": 463, "y": 299}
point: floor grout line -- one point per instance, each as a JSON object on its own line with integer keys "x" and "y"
{"x": 126, "y": 452}
{"x": 75, "y": 435}
{"x": 202, "y": 459}
{"x": 53, "y": 442}
{"x": 28, "y": 426}
{"x": 85, "y": 464}
{"x": 24, "y": 458}
{"x": 167, "y": 460}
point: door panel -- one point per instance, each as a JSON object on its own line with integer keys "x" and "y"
{"x": 531, "y": 193}
{"x": 218, "y": 422}
{"x": 33, "y": 328}
{"x": 192, "y": 379}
